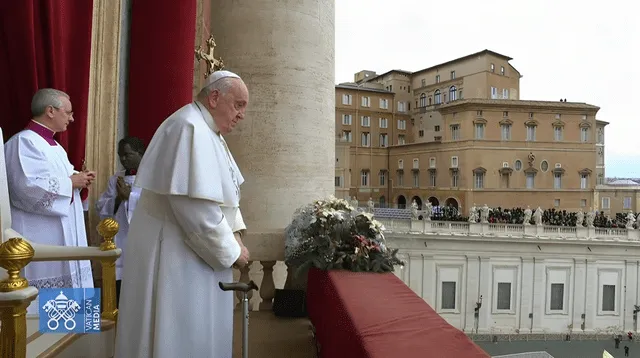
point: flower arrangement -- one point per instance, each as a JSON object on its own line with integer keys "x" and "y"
{"x": 330, "y": 234}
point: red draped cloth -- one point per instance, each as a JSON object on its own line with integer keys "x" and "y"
{"x": 161, "y": 59}
{"x": 371, "y": 315}
{"x": 45, "y": 43}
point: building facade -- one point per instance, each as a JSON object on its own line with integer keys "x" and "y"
{"x": 458, "y": 134}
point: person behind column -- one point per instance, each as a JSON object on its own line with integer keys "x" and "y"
{"x": 120, "y": 198}
{"x": 186, "y": 232}
{"x": 44, "y": 191}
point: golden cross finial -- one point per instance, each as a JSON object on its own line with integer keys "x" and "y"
{"x": 212, "y": 63}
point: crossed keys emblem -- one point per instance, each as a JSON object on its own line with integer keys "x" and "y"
{"x": 61, "y": 309}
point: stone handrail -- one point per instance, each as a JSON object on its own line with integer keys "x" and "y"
{"x": 16, "y": 294}
{"x": 428, "y": 227}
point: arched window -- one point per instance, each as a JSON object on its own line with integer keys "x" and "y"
{"x": 452, "y": 93}
{"x": 423, "y": 100}
{"x": 436, "y": 97}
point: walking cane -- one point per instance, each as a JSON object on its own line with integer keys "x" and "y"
{"x": 244, "y": 288}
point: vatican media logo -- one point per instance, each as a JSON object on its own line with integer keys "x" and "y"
{"x": 70, "y": 310}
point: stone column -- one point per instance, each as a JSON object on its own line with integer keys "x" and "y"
{"x": 285, "y": 147}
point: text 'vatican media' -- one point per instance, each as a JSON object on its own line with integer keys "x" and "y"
{"x": 69, "y": 310}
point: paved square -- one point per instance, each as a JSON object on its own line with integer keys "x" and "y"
{"x": 562, "y": 349}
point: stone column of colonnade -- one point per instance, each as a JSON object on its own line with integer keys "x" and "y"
{"x": 285, "y": 147}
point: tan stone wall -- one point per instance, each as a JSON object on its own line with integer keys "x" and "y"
{"x": 617, "y": 197}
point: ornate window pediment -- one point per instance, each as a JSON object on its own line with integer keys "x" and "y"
{"x": 416, "y": 170}
{"x": 432, "y": 170}
{"x": 585, "y": 125}
{"x": 585, "y": 171}
{"x": 531, "y": 123}
{"x": 558, "y": 123}
{"x": 453, "y": 170}
{"x": 400, "y": 170}
{"x": 558, "y": 171}
{"x": 505, "y": 171}
{"x": 479, "y": 120}
{"x": 531, "y": 170}
{"x": 479, "y": 170}
{"x": 506, "y": 121}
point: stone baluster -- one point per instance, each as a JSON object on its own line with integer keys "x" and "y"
{"x": 244, "y": 277}
{"x": 268, "y": 286}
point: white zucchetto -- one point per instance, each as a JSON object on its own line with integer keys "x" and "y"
{"x": 218, "y": 75}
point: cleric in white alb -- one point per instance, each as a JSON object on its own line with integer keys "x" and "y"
{"x": 120, "y": 199}
{"x": 185, "y": 233}
{"x": 44, "y": 190}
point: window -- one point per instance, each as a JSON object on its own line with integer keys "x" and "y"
{"x": 502, "y": 70}
{"x": 583, "y": 203}
{"x": 544, "y": 166}
{"x": 557, "y": 133}
{"x": 626, "y": 203}
{"x": 606, "y": 204}
{"x": 432, "y": 162}
{"x": 558, "y": 115}
{"x": 383, "y": 123}
{"x": 531, "y": 133}
{"x": 346, "y": 136}
{"x": 505, "y": 93}
{"x": 479, "y": 113}
{"x": 384, "y": 140}
{"x": 346, "y": 99}
{"x": 436, "y": 97}
{"x": 504, "y": 296}
{"x": 432, "y": 178}
{"x": 557, "y": 181}
{"x": 452, "y": 93}
{"x": 421, "y": 133}
{"x": 493, "y": 68}
{"x": 416, "y": 179}
{"x": 505, "y": 114}
{"x": 402, "y": 107}
{"x": 364, "y": 176}
{"x": 400, "y": 164}
{"x": 600, "y": 180}
{"x": 436, "y": 128}
{"x": 517, "y": 165}
{"x": 454, "y": 162}
{"x": 494, "y": 93}
{"x": 437, "y": 78}
{"x": 479, "y": 180}
{"x": 365, "y": 121}
{"x": 455, "y": 132}
{"x": 366, "y": 102}
{"x": 584, "y": 134}
{"x": 416, "y": 164}
{"x": 400, "y": 179}
{"x": 453, "y": 75}
{"x": 530, "y": 180}
{"x": 557, "y": 297}
{"x": 583, "y": 181}
{"x": 346, "y": 119}
{"x": 556, "y": 203}
{"x": 423, "y": 100}
{"x": 505, "y": 130}
{"x": 423, "y": 82}
{"x": 384, "y": 103}
{"x": 383, "y": 178}
{"x": 402, "y": 124}
{"x": 530, "y": 115}
{"x": 401, "y": 139}
{"x": 454, "y": 180}
{"x": 365, "y": 139}
{"x": 608, "y": 298}
{"x": 448, "y": 295}
{"x": 479, "y": 131}
{"x": 338, "y": 182}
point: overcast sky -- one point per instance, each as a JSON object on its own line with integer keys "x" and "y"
{"x": 585, "y": 51}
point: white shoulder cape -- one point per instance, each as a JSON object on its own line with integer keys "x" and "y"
{"x": 187, "y": 157}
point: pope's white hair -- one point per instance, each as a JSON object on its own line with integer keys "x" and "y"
{"x": 223, "y": 86}
{"x": 44, "y": 98}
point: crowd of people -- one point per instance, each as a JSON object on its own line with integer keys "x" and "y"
{"x": 516, "y": 215}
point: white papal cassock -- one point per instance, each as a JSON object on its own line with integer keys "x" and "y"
{"x": 42, "y": 208}
{"x": 106, "y": 209}
{"x": 181, "y": 244}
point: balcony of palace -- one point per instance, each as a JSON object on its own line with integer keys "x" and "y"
{"x": 478, "y": 257}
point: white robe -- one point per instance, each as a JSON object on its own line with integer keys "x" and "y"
{"x": 106, "y": 205}
{"x": 181, "y": 245}
{"x": 40, "y": 192}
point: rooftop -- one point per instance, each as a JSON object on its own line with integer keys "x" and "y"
{"x": 520, "y": 103}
